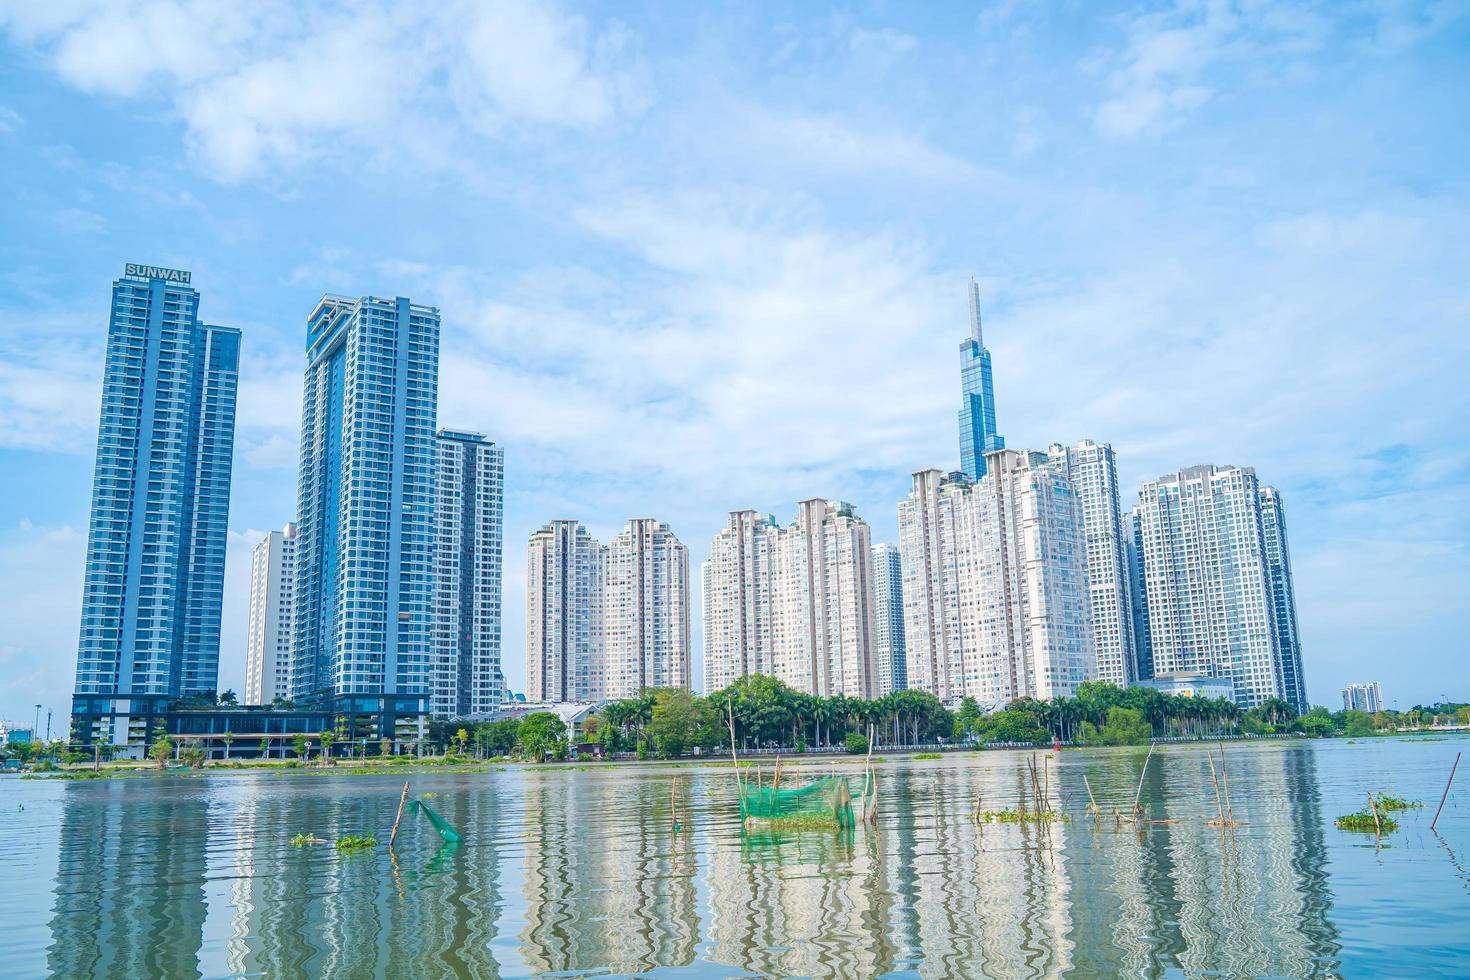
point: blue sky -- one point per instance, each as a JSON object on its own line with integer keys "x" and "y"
{"x": 692, "y": 258}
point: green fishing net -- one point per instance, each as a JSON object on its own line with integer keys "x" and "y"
{"x": 826, "y": 802}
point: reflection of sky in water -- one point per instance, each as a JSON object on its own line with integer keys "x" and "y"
{"x": 574, "y": 873}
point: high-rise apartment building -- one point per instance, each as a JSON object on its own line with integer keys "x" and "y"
{"x": 977, "y": 409}
{"x": 1093, "y": 473}
{"x": 1363, "y": 697}
{"x": 1283, "y": 600}
{"x": 1143, "y": 654}
{"x": 888, "y": 645}
{"x": 995, "y": 582}
{"x": 1207, "y": 579}
{"x": 564, "y": 614}
{"x": 792, "y": 602}
{"x": 154, "y": 581}
{"x": 645, "y": 601}
{"x": 467, "y": 678}
{"x": 365, "y": 520}
{"x": 271, "y": 628}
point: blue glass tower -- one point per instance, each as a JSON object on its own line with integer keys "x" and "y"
{"x": 977, "y": 410}
{"x": 155, "y": 571}
{"x": 365, "y": 520}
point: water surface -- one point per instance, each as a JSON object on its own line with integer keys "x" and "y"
{"x": 576, "y": 873}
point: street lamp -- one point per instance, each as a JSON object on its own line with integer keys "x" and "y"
{"x": 36, "y": 725}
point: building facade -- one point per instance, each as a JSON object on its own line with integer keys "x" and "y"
{"x": 1093, "y": 472}
{"x": 271, "y": 626}
{"x": 645, "y": 601}
{"x": 1283, "y": 601}
{"x": 564, "y": 615}
{"x": 468, "y": 513}
{"x": 154, "y": 580}
{"x": 888, "y": 644}
{"x": 365, "y": 519}
{"x": 1207, "y": 579}
{"x": 793, "y": 602}
{"x": 1363, "y": 697}
{"x": 995, "y": 583}
{"x": 978, "y": 434}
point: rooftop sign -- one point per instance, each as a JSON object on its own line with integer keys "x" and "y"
{"x": 155, "y": 272}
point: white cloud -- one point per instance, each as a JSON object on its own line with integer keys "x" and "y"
{"x": 10, "y": 120}
{"x": 259, "y": 85}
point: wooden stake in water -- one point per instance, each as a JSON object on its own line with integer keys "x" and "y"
{"x": 1377, "y": 827}
{"x": 1225, "y": 779}
{"x": 402, "y": 799}
{"x": 1219, "y": 806}
{"x": 1091, "y": 802}
{"x": 1445, "y": 795}
{"x": 1137, "y": 795}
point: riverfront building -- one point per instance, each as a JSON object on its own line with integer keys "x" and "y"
{"x": 888, "y": 652}
{"x": 564, "y": 618}
{"x": 793, "y": 602}
{"x": 271, "y": 624}
{"x": 977, "y": 408}
{"x": 1283, "y": 600}
{"x": 154, "y": 579}
{"x": 1363, "y": 697}
{"x": 1207, "y": 580}
{"x": 1093, "y": 473}
{"x": 646, "y": 610}
{"x": 468, "y": 512}
{"x": 365, "y": 521}
{"x": 995, "y": 583}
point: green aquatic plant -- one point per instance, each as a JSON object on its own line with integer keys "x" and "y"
{"x": 926, "y": 755}
{"x": 1018, "y": 816}
{"x": 814, "y": 820}
{"x": 1363, "y": 822}
{"x": 1387, "y": 802}
{"x": 356, "y": 843}
{"x": 301, "y": 840}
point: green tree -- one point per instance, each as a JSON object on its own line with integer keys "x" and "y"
{"x": 327, "y": 738}
{"x": 385, "y": 747}
{"x": 542, "y": 735}
{"x": 856, "y": 744}
{"x": 161, "y": 749}
{"x": 1011, "y": 725}
{"x": 192, "y": 756}
{"x": 679, "y": 721}
{"x": 1316, "y": 723}
{"x": 301, "y": 745}
{"x": 497, "y": 737}
{"x": 228, "y": 699}
{"x": 1357, "y": 724}
{"x": 462, "y": 737}
{"x": 1124, "y": 726}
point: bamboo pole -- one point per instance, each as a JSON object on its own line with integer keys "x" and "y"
{"x": 1139, "y": 793}
{"x": 1225, "y": 781}
{"x": 402, "y": 799}
{"x": 1377, "y": 826}
{"x": 1091, "y": 801}
{"x": 1445, "y": 795}
{"x": 673, "y": 813}
{"x": 1219, "y": 806}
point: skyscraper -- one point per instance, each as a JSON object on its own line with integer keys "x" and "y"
{"x": 1207, "y": 579}
{"x": 994, "y": 583}
{"x": 1283, "y": 600}
{"x": 645, "y": 603}
{"x": 792, "y": 602}
{"x": 365, "y": 521}
{"x": 977, "y": 392}
{"x": 1093, "y": 473}
{"x": 888, "y": 644}
{"x": 564, "y": 617}
{"x": 1363, "y": 697}
{"x": 467, "y": 520}
{"x": 154, "y": 583}
{"x": 272, "y": 612}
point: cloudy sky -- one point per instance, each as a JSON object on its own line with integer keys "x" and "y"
{"x": 692, "y": 258}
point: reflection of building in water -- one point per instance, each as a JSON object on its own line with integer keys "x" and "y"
{"x": 607, "y": 884}
{"x": 129, "y": 892}
{"x": 1188, "y": 896}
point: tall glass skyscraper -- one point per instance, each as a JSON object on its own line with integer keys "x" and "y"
{"x": 977, "y": 408}
{"x": 155, "y": 570}
{"x": 365, "y": 520}
{"x": 888, "y": 643}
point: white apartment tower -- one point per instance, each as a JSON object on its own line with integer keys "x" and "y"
{"x": 268, "y": 640}
{"x": 1093, "y": 472}
{"x": 1283, "y": 600}
{"x": 1363, "y": 697}
{"x": 888, "y": 645}
{"x": 564, "y": 616}
{"x": 792, "y": 602}
{"x": 645, "y": 601}
{"x": 994, "y": 582}
{"x": 1207, "y": 579}
{"x": 468, "y": 511}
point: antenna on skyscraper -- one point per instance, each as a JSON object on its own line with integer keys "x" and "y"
{"x": 974, "y": 291}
